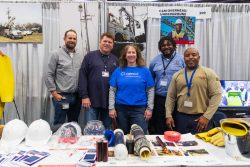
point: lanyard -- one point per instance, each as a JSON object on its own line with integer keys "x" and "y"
{"x": 165, "y": 67}
{"x": 105, "y": 59}
{"x": 191, "y": 79}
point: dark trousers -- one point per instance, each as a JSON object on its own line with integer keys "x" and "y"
{"x": 158, "y": 124}
{"x": 72, "y": 112}
{"x": 185, "y": 123}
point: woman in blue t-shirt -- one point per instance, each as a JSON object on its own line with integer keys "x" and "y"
{"x": 131, "y": 93}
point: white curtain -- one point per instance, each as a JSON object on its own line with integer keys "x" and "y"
{"x": 29, "y": 63}
{"x": 51, "y": 42}
{"x": 229, "y": 42}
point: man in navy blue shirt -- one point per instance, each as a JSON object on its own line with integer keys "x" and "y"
{"x": 94, "y": 76}
{"x": 162, "y": 67}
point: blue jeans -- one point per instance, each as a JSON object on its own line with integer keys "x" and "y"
{"x": 72, "y": 112}
{"x": 101, "y": 114}
{"x": 129, "y": 115}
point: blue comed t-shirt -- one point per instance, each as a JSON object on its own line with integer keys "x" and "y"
{"x": 131, "y": 85}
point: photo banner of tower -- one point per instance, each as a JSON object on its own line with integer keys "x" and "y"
{"x": 128, "y": 24}
{"x": 18, "y": 25}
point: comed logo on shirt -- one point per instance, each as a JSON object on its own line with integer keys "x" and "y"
{"x": 130, "y": 74}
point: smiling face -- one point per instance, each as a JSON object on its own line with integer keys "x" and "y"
{"x": 191, "y": 58}
{"x": 167, "y": 48}
{"x": 178, "y": 27}
{"x": 106, "y": 45}
{"x": 70, "y": 40}
{"x": 131, "y": 56}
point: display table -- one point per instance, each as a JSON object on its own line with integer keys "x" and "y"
{"x": 70, "y": 154}
{"x": 216, "y": 157}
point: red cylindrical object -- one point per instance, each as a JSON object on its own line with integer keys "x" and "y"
{"x": 172, "y": 136}
{"x": 99, "y": 150}
{"x": 104, "y": 150}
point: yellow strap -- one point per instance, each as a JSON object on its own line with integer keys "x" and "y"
{"x": 175, "y": 35}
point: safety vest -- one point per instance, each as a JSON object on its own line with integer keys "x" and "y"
{"x": 234, "y": 98}
{"x": 177, "y": 36}
{"x": 243, "y": 95}
{"x": 6, "y": 82}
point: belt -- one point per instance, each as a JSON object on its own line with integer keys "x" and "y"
{"x": 181, "y": 113}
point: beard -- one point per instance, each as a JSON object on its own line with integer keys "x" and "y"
{"x": 70, "y": 46}
{"x": 168, "y": 52}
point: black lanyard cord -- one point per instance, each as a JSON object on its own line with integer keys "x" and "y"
{"x": 165, "y": 67}
{"x": 105, "y": 59}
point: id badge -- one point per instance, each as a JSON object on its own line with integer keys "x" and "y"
{"x": 188, "y": 104}
{"x": 65, "y": 106}
{"x": 105, "y": 74}
{"x": 163, "y": 82}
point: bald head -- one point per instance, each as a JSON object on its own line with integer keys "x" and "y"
{"x": 191, "y": 58}
{"x": 191, "y": 49}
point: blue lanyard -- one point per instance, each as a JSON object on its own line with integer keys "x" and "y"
{"x": 191, "y": 79}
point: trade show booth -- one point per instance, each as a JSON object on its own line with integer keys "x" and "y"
{"x": 30, "y": 30}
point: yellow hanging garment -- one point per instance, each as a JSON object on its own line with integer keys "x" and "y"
{"x": 6, "y": 81}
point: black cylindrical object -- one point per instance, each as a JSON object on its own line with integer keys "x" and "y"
{"x": 130, "y": 146}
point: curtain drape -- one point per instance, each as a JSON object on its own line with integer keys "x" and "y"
{"x": 52, "y": 37}
{"x": 29, "y": 63}
{"x": 229, "y": 41}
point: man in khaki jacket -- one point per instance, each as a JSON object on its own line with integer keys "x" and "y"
{"x": 197, "y": 92}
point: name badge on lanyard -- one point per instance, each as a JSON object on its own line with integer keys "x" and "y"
{"x": 188, "y": 103}
{"x": 105, "y": 74}
{"x": 163, "y": 82}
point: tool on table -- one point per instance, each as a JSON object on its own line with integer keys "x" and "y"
{"x": 162, "y": 144}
